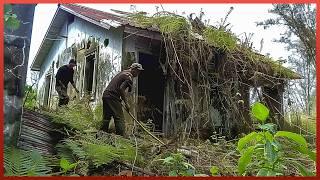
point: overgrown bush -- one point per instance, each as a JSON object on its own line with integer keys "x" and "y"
{"x": 266, "y": 153}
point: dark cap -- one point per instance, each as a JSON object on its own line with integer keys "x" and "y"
{"x": 136, "y": 66}
{"x": 73, "y": 61}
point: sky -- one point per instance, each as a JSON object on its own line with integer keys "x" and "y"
{"x": 242, "y": 21}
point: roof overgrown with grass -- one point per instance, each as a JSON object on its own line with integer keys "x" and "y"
{"x": 170, "y": 24}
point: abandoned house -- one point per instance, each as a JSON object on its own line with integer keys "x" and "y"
{"x": 186, "y": 86}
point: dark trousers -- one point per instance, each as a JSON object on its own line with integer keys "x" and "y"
{"x": 63, "y": 96}
{"x": 113, "y": 108}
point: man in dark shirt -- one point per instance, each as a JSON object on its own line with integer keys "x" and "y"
{"x": 112, "y": 96}
{"x": 63, "y": 77}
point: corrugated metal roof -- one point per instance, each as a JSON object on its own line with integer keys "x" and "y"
{"x": 36, "y": 133}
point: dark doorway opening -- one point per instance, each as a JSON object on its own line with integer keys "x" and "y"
{"x": 151, "y": 90}
{"x": 47, "y": 90}
{"x": 89, "y": 74}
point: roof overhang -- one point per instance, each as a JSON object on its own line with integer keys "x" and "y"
{"x": 51, "y": 35}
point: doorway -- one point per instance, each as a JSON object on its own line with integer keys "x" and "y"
{"x": 47, "y": 90}
{"x": 151, "y": 90}
{"x": 88, "y": 87}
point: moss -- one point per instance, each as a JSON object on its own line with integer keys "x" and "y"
{"x": 168, "y": 23}
{"x": 220, "y": 38}
{"x": 172, "y": 24}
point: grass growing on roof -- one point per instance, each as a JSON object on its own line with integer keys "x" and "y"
{"x": 172, "y": 24}
{"x": 278, "y": 69}
{"x": 165, "y": 23}
{"x": 220, "y": 38}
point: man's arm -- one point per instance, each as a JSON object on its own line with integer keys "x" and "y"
{"x": 72, "y": 83}
{"x": 124, "y": 98}
{"x": 74, "y": 86}
{"x": 126, "y": 84}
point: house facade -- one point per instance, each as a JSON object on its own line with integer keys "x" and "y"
{"x": 104, "y": 44}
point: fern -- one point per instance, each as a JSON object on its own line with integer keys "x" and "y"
{"x": 19, "y": 162}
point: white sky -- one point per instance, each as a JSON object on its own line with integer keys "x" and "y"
{"x": 242, "y": 20}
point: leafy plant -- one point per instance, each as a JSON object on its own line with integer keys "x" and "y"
{"x": 10, "y": 19}
{"x": 214, "y": 170}
{"x": 19, "y": 162}
{"x": 67, "y": 166}
{"x": 99, "y": 151}
{"x": 263, "y": 151}
{"x": 178, "y": 165}
{"x": 30, "y": 100}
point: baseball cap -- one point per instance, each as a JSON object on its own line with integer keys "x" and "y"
{"x": 136, "y": 66}
{"x": 73, "y": 61}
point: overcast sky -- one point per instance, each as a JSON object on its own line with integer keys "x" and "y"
{"x": 242, "y": 20}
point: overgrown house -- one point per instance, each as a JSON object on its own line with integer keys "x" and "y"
{"x": 193, "y": 82}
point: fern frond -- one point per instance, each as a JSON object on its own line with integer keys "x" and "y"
{"x": 19, "y": 162}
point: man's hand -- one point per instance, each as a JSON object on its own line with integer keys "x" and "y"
{"x": 75, "y": 88}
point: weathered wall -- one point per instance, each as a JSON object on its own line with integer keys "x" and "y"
{"x": 16, "y": 53}
{"x": 83, "y": 38}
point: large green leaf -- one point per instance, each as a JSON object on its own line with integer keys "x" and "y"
{"x": 245, "y": 159}
{"x": 260, "y": 111}
{"x": 296, "y": 138}
{"x": 268, "y": 135}
{"x": 245, "y": 140}
{"x": 267, "y": 172}
{"x": 270, "y": 153}
{"x": 263, "y": 172}
{"x": 312, "y": 155}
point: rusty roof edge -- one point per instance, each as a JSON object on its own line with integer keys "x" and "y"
{"x": 43, "y": 40}
{"x": 104, "y": 25}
